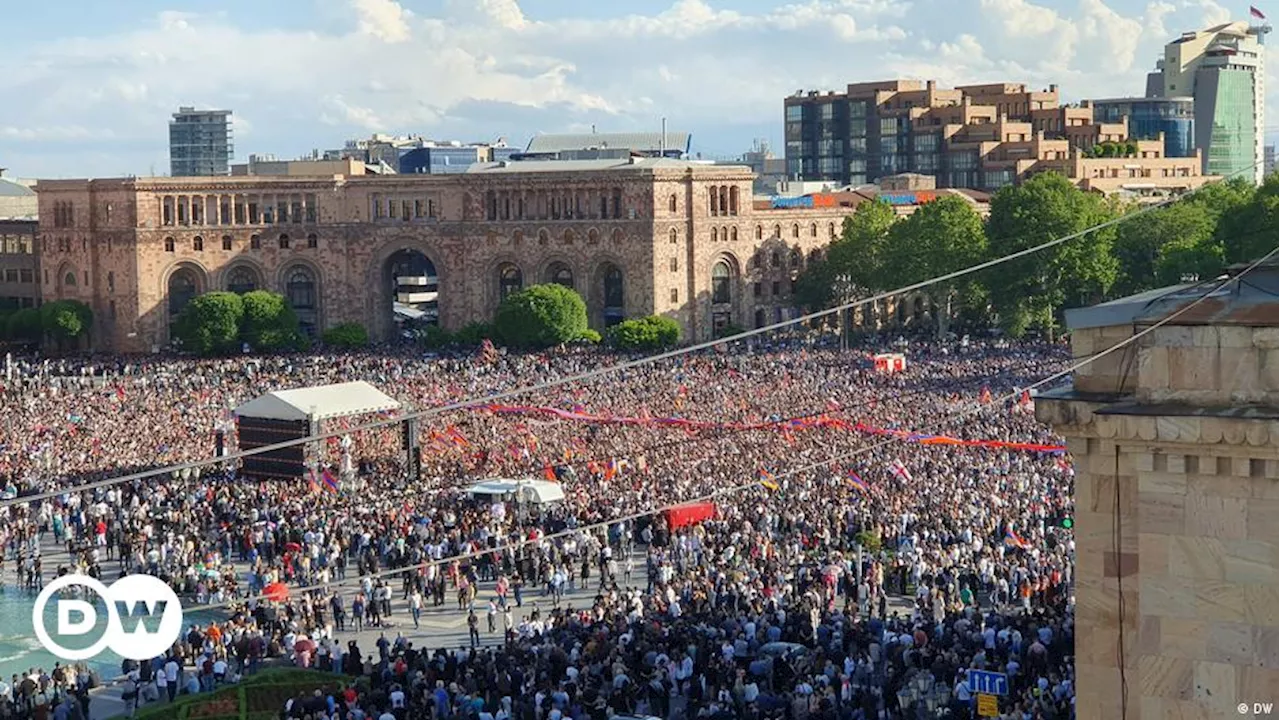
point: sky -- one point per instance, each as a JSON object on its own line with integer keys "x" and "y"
{"x": 89, "y": 87}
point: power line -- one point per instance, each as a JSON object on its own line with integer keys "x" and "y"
{"x": 609, "y": 369}
{"x": 790, "y": 473}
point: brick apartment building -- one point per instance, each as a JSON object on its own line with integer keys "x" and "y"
{"x": 980, "y": 137}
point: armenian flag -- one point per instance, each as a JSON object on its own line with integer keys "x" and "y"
{"x": 312, "y": 485}
{"x": 330, "y": 481}
{"x": 766, "y": 478}
{"x": 1012, "y": 539}
{"x": 857, "y": 483}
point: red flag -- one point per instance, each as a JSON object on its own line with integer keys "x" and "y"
{"x": 549, "y": 473}
{"x": 120, "y": 391}
{"x": 1255, "y": 12}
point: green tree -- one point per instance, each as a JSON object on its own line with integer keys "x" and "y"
{"x": 65, "y": 320}
{"x": 25, "y": 324}
{"x": 1032, "y": 290}
{"x": 1185, "y": 259}
{"x": 348, "y": 335}
{"x": 648, "y": 333}
{"x": 1247, "y": 230}
{"x": 938, "y": 238}
{"x": 210, "y": 323}
{"x": 269, "y": 323}
{"x": 1141, "y": 243}
{"x": 541, "y": 316}
{"x": 856, "y": 254}
{"x": 474, "y": 333}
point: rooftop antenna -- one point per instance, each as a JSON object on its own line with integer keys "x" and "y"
{"x": 662, "y": 147}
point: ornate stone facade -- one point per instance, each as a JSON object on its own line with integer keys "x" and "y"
{"x": 634, "y": 237}
{"x": 1175, "y": 440}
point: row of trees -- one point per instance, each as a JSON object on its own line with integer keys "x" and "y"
{"x": 220, "y": 323}
{"x": 61, "y": 321}
{"x": 1142, "y": 248}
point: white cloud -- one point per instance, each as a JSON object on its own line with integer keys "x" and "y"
{"x": 485, "y": 68}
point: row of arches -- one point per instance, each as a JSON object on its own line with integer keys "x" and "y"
{"x": 299, "y": 283}
{"x": 608, "y": 290}
{"x": 283, "y": 241}
{"x": 723, "y": 199}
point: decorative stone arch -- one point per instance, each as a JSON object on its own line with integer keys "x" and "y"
{"x": 236, "y": 273}
{"x": 724, "y": 280}
{"x": 568, "y": 237}
{"x": 306, "y": 298}
{"x": 671, "y": 203}
{"x": 492, "y": 279}
{"x": 617, "y": 235}
{"x": 379, "y": 302}
{"x": 544, "y": 236}
{"x": 67, "y": 279}
{"x": 593, "y": 236}
{"x": 181, "y": 282}
{"x": 551, "y": 271}
{"x": 759, "y": 232}
{"x": 607, "y": 300}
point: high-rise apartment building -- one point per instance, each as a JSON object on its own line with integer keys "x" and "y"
{"x": 1222, "y": 69}
{"x": 200, "y": 142}
{"x": 979, "y": 137}
{"x": 1149, "y": 118}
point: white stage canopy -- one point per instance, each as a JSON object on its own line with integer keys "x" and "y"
{"x": 537, "y": 491}
{"x": 321, "y": 402}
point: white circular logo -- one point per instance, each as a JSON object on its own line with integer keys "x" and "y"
{"x": 129, "y": 601}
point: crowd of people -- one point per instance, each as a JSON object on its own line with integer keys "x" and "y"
{"x": 858, "y": 578}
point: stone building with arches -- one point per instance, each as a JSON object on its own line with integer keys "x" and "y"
{"x": 634, "y": 237}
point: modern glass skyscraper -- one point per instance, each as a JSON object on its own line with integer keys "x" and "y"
{"x": 1222, "y": 69}
{"x": 200, "y": 142}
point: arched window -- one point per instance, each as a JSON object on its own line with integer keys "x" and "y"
{"x": 614, "y": 295}
{"x": 733, "y": 233}
{"x": 775, "y": 259}
{"x": 241, "y": 280}
{"x": 255, "y": 242}
{"x": 169, "y": 244}
{"x": 671, "y": 203}
{"x": 675, "y": 236}
{"x": 831, "y": 229}
{"x": 617, "y": 235}
{"x": 796, "y": 259}
{"x": 197, "y": 243}
{"x": 568, "y": 237}
{"x": 510, "y": 280}
{"x": 715, "y": 200}
{"x": 593, "y": 236}
{"x": 284, "y": 241}
{"x": 733, "y": 200}
{"x": 759, "y": 232}
{"x": 313, "y": 241}
{"x": 795, "y": 230}
{"x": 226, "y": 242}
{"x": 715, "y": 234}
{"x": 813, "y": 230}
{"x": 560, "y": 274}
{"x": 301, "y": 289}
{"x": 721, "y": 283}
{"x": 543, "y": 236}
{"x": 182, "y": 288}
{"x": 69, "y": 280}
{"x": 777, "y": 231}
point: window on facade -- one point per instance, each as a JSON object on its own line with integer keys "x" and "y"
{"x": 560, "y": 274}
{"x": 715, "y": 234}
{"x": 671, "y": 203}
{"x": 733, "y": 233}
{"x": 775, "y": 259}
{"x": 255, "y": 242}
{"x": 284, "y": 242}
{"x": 756, "y": 288}
{"x": 675, "y": 237}
{"x": 796, "y": 259}
{"x": 777, "y": 288}
{"x": 226, "y": 242}
{"x": 169, "y": 244}
{"x": 795, "y": 231}
{"x": 313, "y": 241}
{"x": 301, "y": 290}
{"x": 510, "y": 280}
{"x": 675, "y": 264}
{"x": 675, "y": 295}
{"x": 197, "y": 243}
{"x": 721, "y": 283}
{"x": 241, "y": 280}
{"x": 613, "y": 288}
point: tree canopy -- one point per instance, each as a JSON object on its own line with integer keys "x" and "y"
{"x": 648, "y": 333}
{"x": 210, "y": 323}
{"x": 541, "y": 316}
{"x": 940, "y": 237}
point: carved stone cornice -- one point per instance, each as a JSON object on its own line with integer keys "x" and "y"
{"x": 1081, "y": 418}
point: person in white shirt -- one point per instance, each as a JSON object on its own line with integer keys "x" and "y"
{"x": 171, "y": 673}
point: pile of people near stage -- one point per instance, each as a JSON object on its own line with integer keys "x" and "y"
{"x": 819, "y": 527}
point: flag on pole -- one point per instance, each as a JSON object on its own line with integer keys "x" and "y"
{"x": 1012, "y": 539}
{"x": 1255, "y": 12}
{"x": 312, "y": 485}
{"x": 900, "y": 470}
{"x": 766, "y": 478}
{"x": 857, "y": 483}
{"x": 330, "y": 481}
{"x": 549, "y": 473}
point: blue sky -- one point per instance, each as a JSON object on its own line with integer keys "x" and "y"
{"x": 89, "y": 92}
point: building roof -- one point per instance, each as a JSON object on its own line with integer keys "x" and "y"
{"x": 631, "y": 163}
{"x": 320, "y": 402}
{"x": 641, "y": 141}
{"x": 1249, "y": 300}
{"x": 9, "y": 188}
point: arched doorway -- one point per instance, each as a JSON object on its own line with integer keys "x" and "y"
{"x": 559, "y": 273}
{"x": 721, "y": 296}
{"x": 614, "y": 294}
{"x": 184, "y": 284}
{"x": 414, "y": 289}
{"x": 242, "y": 279}
{"x": 301, "y": 291}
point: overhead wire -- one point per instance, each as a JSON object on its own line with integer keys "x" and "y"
{"x": 711, "y": 496}
{"x": 608, "y": 369}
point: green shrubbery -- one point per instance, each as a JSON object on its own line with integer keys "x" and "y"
{"x": 348, "y": 336}
{"x": 648, "y": 333}
{"x": 217, "y": 323}
{"x": 541, "y": 316}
